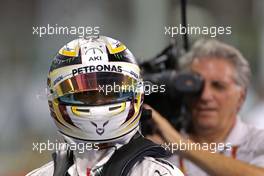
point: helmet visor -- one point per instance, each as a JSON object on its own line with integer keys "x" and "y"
{"x": 96, "y": 88}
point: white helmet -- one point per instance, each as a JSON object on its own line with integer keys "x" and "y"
{"x": 95, "y": 90}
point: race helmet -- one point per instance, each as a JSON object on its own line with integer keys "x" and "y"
{"x": 95, "y": 90}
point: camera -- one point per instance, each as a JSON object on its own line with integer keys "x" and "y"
{"x": 180, "y": 89}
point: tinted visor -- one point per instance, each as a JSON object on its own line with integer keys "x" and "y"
{"x": 92, "y": 98}
{"x": 96, "y": 88}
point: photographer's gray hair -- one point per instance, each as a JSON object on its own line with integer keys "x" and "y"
{"x": 211, "y": 48}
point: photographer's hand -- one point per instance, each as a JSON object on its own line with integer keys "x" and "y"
{"x": 166, "y": 129}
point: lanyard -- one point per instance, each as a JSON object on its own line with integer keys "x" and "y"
{"x": 184, "y": 170}
{"x": 88, "y": 171}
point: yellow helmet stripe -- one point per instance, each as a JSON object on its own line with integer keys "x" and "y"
{"x": 71, "y": 53}
{"x": 117, "y": 49}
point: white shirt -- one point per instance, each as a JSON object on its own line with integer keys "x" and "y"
{"x": 250, "y": 148}
{"x": 256, "y": 115}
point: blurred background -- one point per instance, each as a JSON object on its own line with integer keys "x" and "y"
{"x": 25, "y": 58}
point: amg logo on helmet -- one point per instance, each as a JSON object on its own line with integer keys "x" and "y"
{"x": 93, "y": 68}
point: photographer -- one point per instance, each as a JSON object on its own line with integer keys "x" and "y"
{"x": 215, "y": 117}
